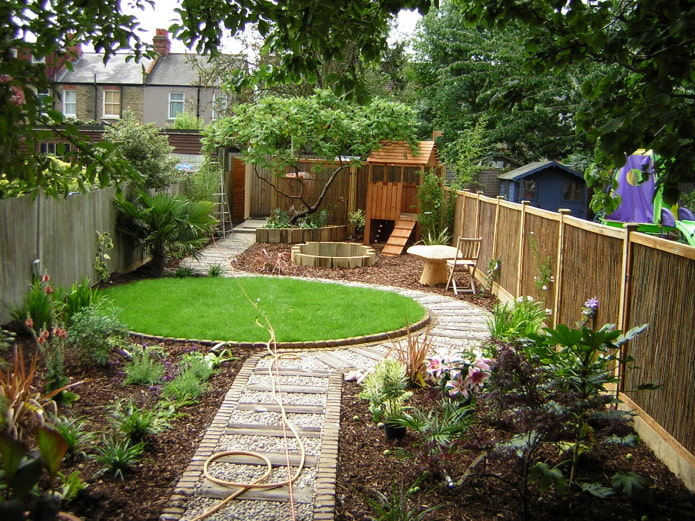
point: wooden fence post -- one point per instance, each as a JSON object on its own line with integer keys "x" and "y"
{"x": 559, "y": 264}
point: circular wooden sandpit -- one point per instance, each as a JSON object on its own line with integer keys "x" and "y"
{"x": 333, "y": 255}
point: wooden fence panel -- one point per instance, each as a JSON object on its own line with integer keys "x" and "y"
{"x": 18, "y": 249}
{"x": 662, "y": 295}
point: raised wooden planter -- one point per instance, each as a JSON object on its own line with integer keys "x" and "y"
{"x": 333, "y": 255}
{"x": 298, "y": 235}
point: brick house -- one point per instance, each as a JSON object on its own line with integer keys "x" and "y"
{"x": 155, "y": 90}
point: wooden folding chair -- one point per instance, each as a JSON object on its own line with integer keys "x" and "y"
{"x": 467, "y": 251}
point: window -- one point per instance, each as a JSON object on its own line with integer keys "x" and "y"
{"x": 112, "y": 104}
{"x": 44, "y": 102}
{"x": 528, "y": 190}
{"x": 571, "y": 191}
{"x": 55, "y": 149}
{"x": 70, "y": 103}
{"x": 219, "y": 105}
{"x": 176, "y": 104}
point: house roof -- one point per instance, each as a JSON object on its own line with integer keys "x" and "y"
{"x": 534, "y": 168}
{"x": 175, "y": 69}
{"x": 398, "y": 153}
{"x": 90, "y": 68}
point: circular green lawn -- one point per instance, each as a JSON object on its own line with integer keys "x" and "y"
{"x": 245, "y": 309}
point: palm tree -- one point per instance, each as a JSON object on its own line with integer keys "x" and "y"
{"x": 167, "y": 226}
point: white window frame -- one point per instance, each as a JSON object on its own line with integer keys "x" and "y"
{"x": 70, "y": 105}
{"x": 176, "y": 106}
{"x": 111, "y": 114}
{"x": 219, "y": 105}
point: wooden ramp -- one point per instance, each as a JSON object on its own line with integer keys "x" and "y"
{"x": 399, "y": 237}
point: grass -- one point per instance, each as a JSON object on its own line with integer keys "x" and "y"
{"x": 229, "y": 309}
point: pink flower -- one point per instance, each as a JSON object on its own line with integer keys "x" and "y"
{"x": 48, "y": 290}
{"x": 29, "y": 322}
{"x": 457, "y": 387}
{"x": 476, "y": 377}
{"x": 46, "y": 277}
{"x": 435, "y": 366}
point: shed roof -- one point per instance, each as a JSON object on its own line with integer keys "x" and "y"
{"x": 399, "y": 153}
{"x": 534, "y": 168}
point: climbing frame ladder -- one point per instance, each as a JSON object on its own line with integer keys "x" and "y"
{"x": 402, "y": 230}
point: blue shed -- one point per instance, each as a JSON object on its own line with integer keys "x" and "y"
{"x": 546, "y": 184}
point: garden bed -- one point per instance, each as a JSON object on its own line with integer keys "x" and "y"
{"x": 297, "y": 235}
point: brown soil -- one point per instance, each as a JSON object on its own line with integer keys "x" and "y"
{"x": 363, "y": 468}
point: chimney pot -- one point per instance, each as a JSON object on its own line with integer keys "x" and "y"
{"x": 161, "y": 42}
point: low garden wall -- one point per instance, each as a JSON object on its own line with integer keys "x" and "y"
{"x": 298, "y": 235}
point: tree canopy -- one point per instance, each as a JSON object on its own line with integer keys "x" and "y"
{"x": 467, "y": 73}
{"x": 647, "y": 100}
{"x": 276, "y": 133}
{"x": 304, "y": 33}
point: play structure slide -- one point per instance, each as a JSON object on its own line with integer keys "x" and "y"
{"x": 642, "y": 201}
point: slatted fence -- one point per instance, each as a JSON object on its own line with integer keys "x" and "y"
{"x": 636, "y": 278}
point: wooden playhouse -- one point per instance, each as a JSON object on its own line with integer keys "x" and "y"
{"x": 394, "y": 174}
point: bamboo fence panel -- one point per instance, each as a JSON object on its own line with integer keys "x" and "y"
{"x": 598, "y": 261}
{"x": 539, "y": 254}
{"x": 661, "y": 294}
{"x": 507, "y": 245}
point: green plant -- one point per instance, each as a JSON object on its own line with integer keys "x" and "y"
{"x": 385, "y": 390}
{"x": 139, "y": 424}
{"x": 184, "y": 271}
{"x": 215, "y": 270}
{"x": 23, "y": 471}
{"x": 278, "y": 219}
{"x": 76, "y": 434}
{"x": 101, "y": 266}
{"x": 188, "y": 121}
{"x": 184, "y": 387}
{"x": 438, "y": 432}
{"x": 142, "y": 368}
{"x": 145, "y": 148}
{"x": 358, "y": 220}
{"x": 521, "y": 320}
{"x": 442, "y": 237}
{"x": 398, "y": 505}
{"x": 93, "y": 331}
{"x": 204, "y": 183}
{"x": 37, "y": 308}
{"x": 436, "y": 207}
{"x": 314, "y": 220}
{"x": 167, "y": 226}
{"x": 544, "y": 265}
{"x": 117, "y": 455}
{"x": 211, "y": 360}
{"x": 493, "y": 272}
{"x": 413, "y": 355}
{"x": 79, "y": 297}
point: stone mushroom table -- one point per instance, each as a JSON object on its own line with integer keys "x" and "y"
{"x": 435, "y": 256}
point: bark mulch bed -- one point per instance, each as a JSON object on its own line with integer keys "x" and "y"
{"x": 363, "y": 466}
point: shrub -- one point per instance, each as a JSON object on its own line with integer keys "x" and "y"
{"x": 185, "y": 387}
{"x": 76, "y": 434}
{"x": 139, "y": 424}
{"x": 523, "y": 319}
{"x": 117, "y": 455}
{"x": 92, "y": 332}
{"x": 143, "y": 369}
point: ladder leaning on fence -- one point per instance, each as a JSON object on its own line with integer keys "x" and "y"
{"x": 224, "y": 216}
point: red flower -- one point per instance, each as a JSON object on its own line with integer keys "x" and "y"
{"x": 29, "y": 322}
{"x": 46, "y": 277}
{"x": 48, "y": 290}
